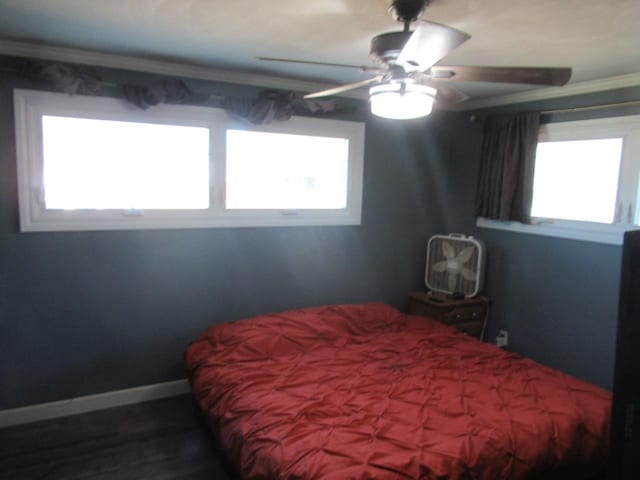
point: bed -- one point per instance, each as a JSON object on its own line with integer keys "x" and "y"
{"x": 366, "y": 392}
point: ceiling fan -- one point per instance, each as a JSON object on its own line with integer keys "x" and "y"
{"x": 407, "y": 81}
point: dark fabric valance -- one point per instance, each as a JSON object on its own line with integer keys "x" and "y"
{"x": 268, "y": 106}
{"x": 505, "y": 183}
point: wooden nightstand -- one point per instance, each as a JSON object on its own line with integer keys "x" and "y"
{"x": 469, "y": 315}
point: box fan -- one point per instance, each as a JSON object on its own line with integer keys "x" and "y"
{"x": 455, "y": 265}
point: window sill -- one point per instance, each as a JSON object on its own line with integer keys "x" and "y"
{"x": 583, "y": 231}
{"x": 61, "y": 220}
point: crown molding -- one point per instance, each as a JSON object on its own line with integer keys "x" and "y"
{"x": 200, "y": 72}
{"x": 579, "y": 88}
{"x": 162, "y": 67}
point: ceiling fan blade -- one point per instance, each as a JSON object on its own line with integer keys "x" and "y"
{"x": 551, "y": 76}
{"x": 344, "y": 88}
{"x": 429, "y": 43}
{"x": 447, "y": 95}
{"x": 364, "y": 68}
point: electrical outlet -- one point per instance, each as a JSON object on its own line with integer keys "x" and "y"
{"x": 502, "y": 340}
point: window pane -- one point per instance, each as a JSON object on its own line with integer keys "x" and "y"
{"x": 577, "y": 180}
{"x": 283, "y": 171}
{"x": 103, "y": 164}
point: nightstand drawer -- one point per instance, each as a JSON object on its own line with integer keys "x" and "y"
{"x": 470, "y": 328}
{"x": 464, "y": 314}
{"x": 467, "y": 315}
{"x": 417, "y": 308}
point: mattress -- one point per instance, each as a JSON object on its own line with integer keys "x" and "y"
{"x": 366, "y": 392}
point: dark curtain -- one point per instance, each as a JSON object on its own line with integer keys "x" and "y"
{"x": 270, "y": 105}
{"x": 505, "y": 184}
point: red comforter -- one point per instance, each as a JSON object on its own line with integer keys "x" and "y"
{"x": 363, "y": 391}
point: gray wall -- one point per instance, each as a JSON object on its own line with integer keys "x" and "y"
{"x": 557, "y": 298}
{"x": 88, "y": 312}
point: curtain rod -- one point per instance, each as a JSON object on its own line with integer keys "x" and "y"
{"x": 591, "y": 107}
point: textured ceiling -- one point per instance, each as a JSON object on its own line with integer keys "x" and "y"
{"x": 599, "y": 39}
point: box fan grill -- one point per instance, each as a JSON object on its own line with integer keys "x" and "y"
{"x": 455, "y": 265}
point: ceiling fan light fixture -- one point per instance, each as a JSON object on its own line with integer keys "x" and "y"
{"x": 401, "y": 101}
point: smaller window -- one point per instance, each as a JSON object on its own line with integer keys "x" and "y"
{"x": 577, "y": 180}
{"x": 586, "y": 181}
{"x": 282, "y": 171}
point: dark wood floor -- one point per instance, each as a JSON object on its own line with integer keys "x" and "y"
{"x": 163, "y": 439}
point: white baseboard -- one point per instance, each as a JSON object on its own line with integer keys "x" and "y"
{"x": 73, "y": 406}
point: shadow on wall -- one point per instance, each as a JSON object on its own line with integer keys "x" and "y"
{"x": 557, "y": 297}
{"x": 558, "y": 300}
{"x": 86, "y": 312}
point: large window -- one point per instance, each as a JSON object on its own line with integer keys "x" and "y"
{"x": 586, "y": 181}
{"x": 89, "y": 163}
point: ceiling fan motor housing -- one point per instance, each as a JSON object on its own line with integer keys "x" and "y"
{"x": 386, "y": 47}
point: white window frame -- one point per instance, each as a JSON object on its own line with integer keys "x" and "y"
{"x": 31, "y": 105}
{"x": 627, "y": 128}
